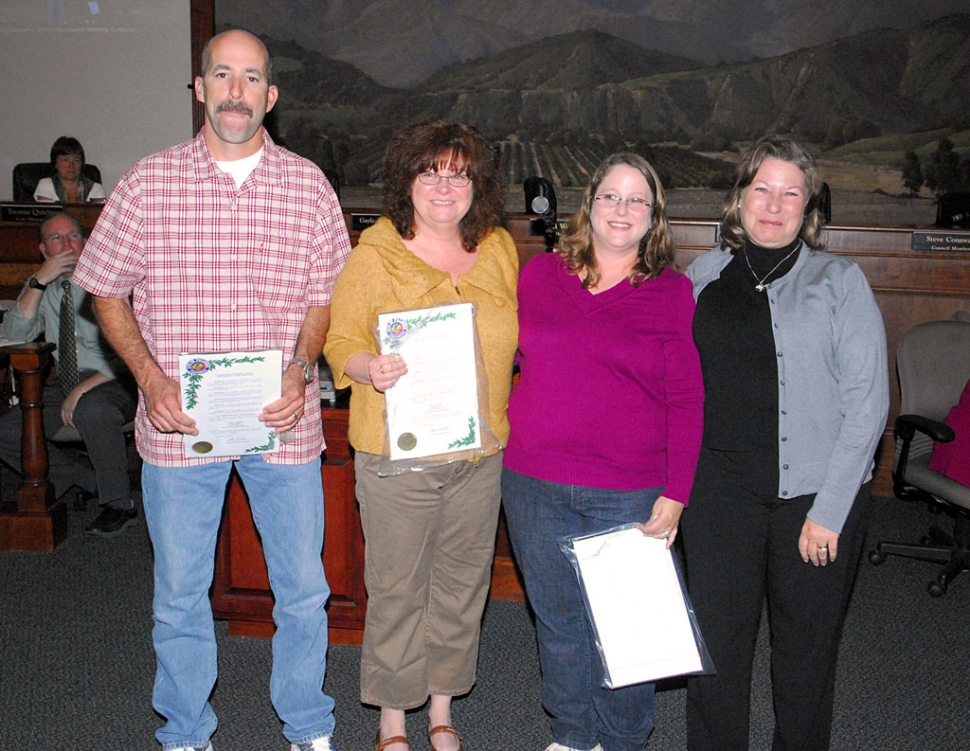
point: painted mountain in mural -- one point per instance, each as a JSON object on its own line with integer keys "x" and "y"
{"x": 402, "y": 42}
{"x": 590, "y": 82}
{"x": 883, "y": 77}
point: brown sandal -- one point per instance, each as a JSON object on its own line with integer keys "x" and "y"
{"x": 444, "y": 729}
{"x": 380, "y": 745}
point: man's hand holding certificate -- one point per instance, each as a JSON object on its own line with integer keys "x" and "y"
{"x": 224, "y": 393}
{"x": 433, "y": 409}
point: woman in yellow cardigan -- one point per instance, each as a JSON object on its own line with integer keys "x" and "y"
{"x": 430, "y": 534}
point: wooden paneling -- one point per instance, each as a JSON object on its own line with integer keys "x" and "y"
{"x": 203, "y": 28}
{"x": 241, "y": 592}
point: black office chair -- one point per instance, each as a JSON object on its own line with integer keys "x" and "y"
{"x": 26, "y": 175}
{"x": 933, "y": 362}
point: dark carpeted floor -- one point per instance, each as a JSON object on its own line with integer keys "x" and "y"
{"x": 76, "y": 664}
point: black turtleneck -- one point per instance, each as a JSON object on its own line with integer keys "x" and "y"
{"x": 765, "y": 265}
{"x": 732, "y": 330}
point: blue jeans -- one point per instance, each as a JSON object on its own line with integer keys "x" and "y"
{"x": 183, "y": 508}
{"x": 539, "y": 513}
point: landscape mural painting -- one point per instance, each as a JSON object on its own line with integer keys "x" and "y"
{"x": 880, "y": 91}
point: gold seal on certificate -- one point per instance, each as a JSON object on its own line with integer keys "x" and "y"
{"x": 432, "y": 410}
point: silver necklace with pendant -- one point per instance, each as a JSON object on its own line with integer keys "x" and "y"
{"x": 760, "y": 283}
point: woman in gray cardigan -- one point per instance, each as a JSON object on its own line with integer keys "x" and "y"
{"x": 793, "y": 352}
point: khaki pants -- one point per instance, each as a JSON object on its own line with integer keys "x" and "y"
{"x": 430, "y": 539}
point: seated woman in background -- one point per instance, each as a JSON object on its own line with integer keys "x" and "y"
{"x": 431, "y": 534}
{"x": 606, "y": 428}
{"x": 68, "y": 185}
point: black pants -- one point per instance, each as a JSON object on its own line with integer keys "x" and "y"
{"x": 740, "y": 549}
{"x": 100, "y": 417}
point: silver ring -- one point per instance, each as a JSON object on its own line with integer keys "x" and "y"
{"x": 823, "y": 547}
{"x": 296, "y": 417}
{"x": 381, "y": 369}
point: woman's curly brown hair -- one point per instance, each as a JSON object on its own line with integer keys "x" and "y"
{"x": 432, "y": 144}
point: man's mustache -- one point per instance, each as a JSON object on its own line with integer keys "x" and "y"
{"x": 234, "y": 107}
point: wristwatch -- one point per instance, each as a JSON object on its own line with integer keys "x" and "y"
{"x": 34, "y": 283}
{"x": 308, "y": 374}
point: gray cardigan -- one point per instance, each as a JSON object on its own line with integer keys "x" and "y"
{"x": 833, "y": 380}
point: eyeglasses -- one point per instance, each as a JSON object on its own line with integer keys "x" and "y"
{"x": 433, "y": 178}
{"x": 58, "y": 239}
{"x": 633, "y": 204}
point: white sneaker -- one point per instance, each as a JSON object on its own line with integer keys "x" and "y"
{"x": 208, "y": 747}
{"x": 317, "y": 744}
{"x": 560, "y": 747}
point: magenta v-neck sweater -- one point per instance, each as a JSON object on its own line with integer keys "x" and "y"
{"x": 610, "y": 393}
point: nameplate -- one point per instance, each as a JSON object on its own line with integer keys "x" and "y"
{"x": 941, "y": 240}
{"x": 360, "y": 222}
{"x": 27, "y": 212}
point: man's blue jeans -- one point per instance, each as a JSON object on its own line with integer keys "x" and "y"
{"x": 183, "y": 508}
{"x": 539, "y": 514}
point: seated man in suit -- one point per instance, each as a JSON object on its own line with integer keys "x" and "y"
{"x": 67, "y": 183}
{"x": 93, "y": 391}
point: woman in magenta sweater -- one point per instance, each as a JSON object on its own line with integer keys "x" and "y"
{"x": 606, "y": 428}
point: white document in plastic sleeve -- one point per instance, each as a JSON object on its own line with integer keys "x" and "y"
{"x": 637, "y": 606}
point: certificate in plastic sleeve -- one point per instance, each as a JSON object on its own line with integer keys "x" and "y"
{"x": 644, "y": 626}
{"x": 225, "y": 392}
{"x": 432, "y": 410}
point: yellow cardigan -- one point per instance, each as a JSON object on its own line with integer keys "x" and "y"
{"x": 383, "y": 276}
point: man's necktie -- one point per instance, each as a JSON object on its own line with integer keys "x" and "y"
{"x": 67, "y": 344}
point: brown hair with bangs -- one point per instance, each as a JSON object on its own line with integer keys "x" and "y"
{"x": 435, "y": 143}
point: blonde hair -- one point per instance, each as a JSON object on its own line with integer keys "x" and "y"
{"x": 656, "y": 250}
{"x": 733, "y": 235}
